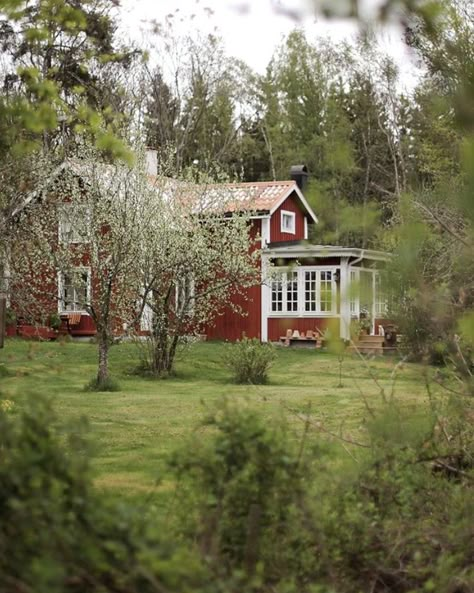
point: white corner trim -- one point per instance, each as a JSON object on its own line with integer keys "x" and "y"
{"x": 265, "y": 301}
{"x": 265, "y": 231}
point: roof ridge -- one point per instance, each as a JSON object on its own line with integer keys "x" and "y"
{"x": 259, "y": 183}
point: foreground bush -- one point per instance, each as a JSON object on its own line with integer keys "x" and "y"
{"x": 256, "y": 509}
{"x": 58, "y": 535}
{"x": 249, "y": 360}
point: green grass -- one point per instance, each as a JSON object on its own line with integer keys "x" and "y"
{"x": 135, "y": 429}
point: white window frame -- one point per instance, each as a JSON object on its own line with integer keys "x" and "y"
{"x": 291, "y": 229}
{"x": 281, "y": 278}
{"x": 281, "y": 274}
{"x": 61, "y": 301}
{"x": 380, "y": 298}
{"x": 66, "y": 214}
{"x": 186, "y": 283}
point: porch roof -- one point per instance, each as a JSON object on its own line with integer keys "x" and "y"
{"x": 305, "y": 249}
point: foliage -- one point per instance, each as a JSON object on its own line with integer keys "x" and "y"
{"x": 51, "y": 83}
{"x": 257, "y": 505}
{"x": 57, "y": 533}
{"x": 238, "y": 495}
{"x": 87, "y": 229}
{"x": 54, "y": 321}
{"x": 108, "y": 384}
{"x": 249, "y": 360}
{"x": 196, "y": 259}
{"x": 10, "y": 316}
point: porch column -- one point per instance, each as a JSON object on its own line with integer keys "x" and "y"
{"x": 373, "y": 312}
{"x": 265, "y": 300}
{"x": 344, "y": 297}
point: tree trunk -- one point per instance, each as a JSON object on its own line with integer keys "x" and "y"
{"x": 103, "y": 371}
{"x": 3, "y": 309}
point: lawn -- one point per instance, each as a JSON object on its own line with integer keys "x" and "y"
{"x": 135, "y": 429}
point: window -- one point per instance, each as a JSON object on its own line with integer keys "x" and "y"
{"x": 285, "y": 292}
{"x": 288, "y": 222}
{"x": 380, "y": 297}
{"x": 74, "y": 223}
{"x": 292, "y": 291}
{"x": 310, "y": 291}
{"x": 326, "y": 291}
{"x": 277, "y": 295}
{"x": 304, "y": 292}
{"x": 185, "y": 295}
{"x": 74, "y": 290}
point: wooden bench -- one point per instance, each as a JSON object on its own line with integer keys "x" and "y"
{"x": 293, "y": 338}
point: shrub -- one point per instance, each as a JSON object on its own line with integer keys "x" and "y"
{"x": 97, "y": 386}
{"x": 249, "y": 360}
{"x": 239, "y": 494}
{"x": 54, "y": 321}
{"x": 58, "y": 534}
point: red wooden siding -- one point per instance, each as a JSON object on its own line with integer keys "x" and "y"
{"x": 85, "y": 327}
{"x": 229, "y": 325}
{"x": 277, "y": 327}
{"x": 291, "y": 204}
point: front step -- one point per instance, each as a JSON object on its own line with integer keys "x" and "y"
{"x": 370, "y": 349}
{"x": 370, "y": 345}
{"x": 370, "y": 339}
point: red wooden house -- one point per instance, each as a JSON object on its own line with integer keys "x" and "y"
{"x": 303, "y": 286}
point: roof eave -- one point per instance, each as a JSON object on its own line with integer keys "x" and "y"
{"x": 324, "y": 251}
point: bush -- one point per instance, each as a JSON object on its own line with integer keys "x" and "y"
{"x": 239, "y": 494}
{"x": 97, "y": 386}
{"x": 58, "y": 534}
{"x": 249, "y": 360}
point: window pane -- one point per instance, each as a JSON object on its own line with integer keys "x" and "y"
{"x": 310, "y": 291}
{"x": 74, "y": 291}
{"x": 277, "y": 295}
{"x": 326, "y": 291}
{"x": 292, "y": 291}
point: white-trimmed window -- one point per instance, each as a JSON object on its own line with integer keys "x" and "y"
{"x": 277, "y": 294}
{"x": 285, "y": 292}
{"x": 380, "y": 296}
{"x": 74, "y": 290}
{"x": 304, "y": 292}
{"x": 288, "y": 222}
{"x": 185, "y": 295}
{"x": 74, "y": 223}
